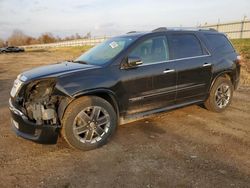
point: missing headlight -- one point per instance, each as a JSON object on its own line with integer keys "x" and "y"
{"x": 39, "y": 103}
{"x": 40, "y": 90}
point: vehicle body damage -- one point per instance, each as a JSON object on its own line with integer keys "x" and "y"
{"x": 42, "y": 102}
{"x": 121, "y": 79}
{"x": 39, "y": 103}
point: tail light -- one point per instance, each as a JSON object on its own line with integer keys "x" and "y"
{"x": 239, "y": 60}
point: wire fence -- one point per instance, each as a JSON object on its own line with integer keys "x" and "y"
{"x": 77, "y": 42}
{"x": 234, "y": 30}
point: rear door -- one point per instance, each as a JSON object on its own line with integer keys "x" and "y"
{"x": 193, "y": 66}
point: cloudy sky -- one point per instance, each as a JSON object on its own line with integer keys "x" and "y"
{"x": 111, "y": 17}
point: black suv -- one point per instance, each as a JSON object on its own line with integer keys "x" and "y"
{"x": 124, "y": 78}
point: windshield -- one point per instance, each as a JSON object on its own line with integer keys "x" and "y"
{"x": 105, "y": 51}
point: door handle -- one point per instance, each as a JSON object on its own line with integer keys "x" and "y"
{"x": 207, "y": 64}
{"x": 168, "y": 71}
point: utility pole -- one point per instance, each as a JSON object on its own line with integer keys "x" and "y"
{"x": 218, "y": 24}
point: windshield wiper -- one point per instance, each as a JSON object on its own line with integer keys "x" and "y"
{"x": 78, "y": 61}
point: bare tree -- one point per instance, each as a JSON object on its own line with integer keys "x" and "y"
{"x": 87, "y": 36}
{"x": 2, "y": 43}
{"x": 77, "y": 36}
{"x": 17, "y": 38}
{"x": 47, "y": 38}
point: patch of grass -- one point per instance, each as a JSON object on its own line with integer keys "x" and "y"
{"x": 243, "y": 47}
{"x": 74, "y": 50}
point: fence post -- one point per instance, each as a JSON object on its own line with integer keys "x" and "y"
{"x": 242, "y": 28}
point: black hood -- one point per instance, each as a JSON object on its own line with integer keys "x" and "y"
{"x": 55, "y": 70}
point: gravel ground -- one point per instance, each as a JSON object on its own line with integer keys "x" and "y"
{"x": 188, "y": 147}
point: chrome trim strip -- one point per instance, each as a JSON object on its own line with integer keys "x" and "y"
{"x": 151, "y": 95}
{"x": 190, "y": 87}
{"x": 164, "y": 92}
{"x": 17, "y": 85}
{"x": 207, "y": 64}
{"x": 14, "y": 110}
{"x": 168, "y": 71}
{"x": 167, "y": 61}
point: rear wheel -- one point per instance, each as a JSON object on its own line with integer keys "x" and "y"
{"x": 89, "y": 122}
{"x": 220, "y": 95}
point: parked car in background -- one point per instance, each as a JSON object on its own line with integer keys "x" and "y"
{"x": 125, "y": 77}
{"x": 11, "y": 49}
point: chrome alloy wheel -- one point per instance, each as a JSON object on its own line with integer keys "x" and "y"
{"x": 91, "y": 124}
{"x": 222, "y": 95}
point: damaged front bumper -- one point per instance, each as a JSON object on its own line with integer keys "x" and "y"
{"x": 29, "y": 130}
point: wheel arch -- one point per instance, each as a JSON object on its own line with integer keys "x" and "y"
{"x": 229, "y": 74}
{"x": 102, "y": 93}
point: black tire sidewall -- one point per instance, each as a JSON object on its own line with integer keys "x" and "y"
{"x": 74, "y": 109}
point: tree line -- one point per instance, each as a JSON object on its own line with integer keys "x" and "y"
{"x": 19, "y": 38}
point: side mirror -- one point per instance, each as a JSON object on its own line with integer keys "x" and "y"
{"x": 134, "y": 61}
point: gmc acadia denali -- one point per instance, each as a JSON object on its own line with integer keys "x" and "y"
{"x": 125, "y": 77}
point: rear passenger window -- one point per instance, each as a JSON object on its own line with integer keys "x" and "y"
{"x": 219, "y": 42}
{"x": 185, "y": 45}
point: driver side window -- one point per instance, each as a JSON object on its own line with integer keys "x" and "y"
{"x": 152, "y": 50}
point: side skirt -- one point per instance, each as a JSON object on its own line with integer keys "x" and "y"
{"x": 141, "y": 115}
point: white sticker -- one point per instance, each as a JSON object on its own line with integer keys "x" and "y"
{"x": 113, "y": 44}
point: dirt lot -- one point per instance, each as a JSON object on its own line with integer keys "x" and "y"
{"x": 188, "y": 147}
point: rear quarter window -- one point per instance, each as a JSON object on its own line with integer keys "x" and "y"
{"x": 185, "y": 45}
{"x": 219, "y": 43}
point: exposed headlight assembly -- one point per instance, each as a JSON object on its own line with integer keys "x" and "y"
{"x": 39, "y": 90}
{"x": 40, "y": 104}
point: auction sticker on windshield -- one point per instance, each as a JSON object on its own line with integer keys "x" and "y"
{"x": 113, "y": 44}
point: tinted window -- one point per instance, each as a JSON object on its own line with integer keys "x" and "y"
{"x": 219, "y": 43}
{"x": 152, "y": 50}
{"x": 185, "y": 45}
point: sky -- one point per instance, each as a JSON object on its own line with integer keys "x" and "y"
{"x": 112, "y": 17}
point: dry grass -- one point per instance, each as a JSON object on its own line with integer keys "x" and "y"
{"x": 243, "y": 47}
{"x": 74, "y": 50}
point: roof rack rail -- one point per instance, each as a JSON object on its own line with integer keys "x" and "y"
{"x": 160, "y": 29}
{"x": 207, "y": 29}
{"x": 131, "y": 32}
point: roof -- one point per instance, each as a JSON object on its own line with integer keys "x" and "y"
{"x": 137, "y": 34}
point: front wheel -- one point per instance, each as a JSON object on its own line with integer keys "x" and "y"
{"x": 220, "y": 95}
{"x": 88, "y": 123}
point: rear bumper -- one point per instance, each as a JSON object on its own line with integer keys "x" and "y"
{"x": 46, "y": 134}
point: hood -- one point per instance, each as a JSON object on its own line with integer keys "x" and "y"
{"x": 54, "y": 70}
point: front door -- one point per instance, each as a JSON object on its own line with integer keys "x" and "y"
{"x": 151, "y": 85}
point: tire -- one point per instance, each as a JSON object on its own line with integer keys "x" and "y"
{"x": 219, "y": 99}
{"x": 88, "y": 123}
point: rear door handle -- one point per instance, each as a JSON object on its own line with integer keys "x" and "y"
{"x": 168, "y": 71}
{"x": 207, "y": 64}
